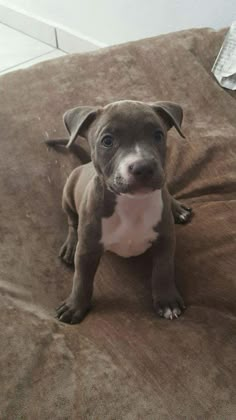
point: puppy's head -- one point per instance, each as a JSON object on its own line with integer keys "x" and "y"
{"x": 127, "y": 141}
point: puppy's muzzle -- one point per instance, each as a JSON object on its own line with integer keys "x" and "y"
{"x": 139, "y": 175}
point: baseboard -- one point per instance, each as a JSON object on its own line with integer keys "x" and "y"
{"x": 57, "y": 36}
{"x": 29, "y": 25}
{"x": 73, "y": 42}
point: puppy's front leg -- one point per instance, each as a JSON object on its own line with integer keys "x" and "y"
{"x": 74, "y": 309}
{"x": 167, "y": 301}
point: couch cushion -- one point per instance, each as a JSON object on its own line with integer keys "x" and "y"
{"x": 121, "y": 362}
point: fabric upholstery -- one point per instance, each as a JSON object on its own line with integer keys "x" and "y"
{"x": 122, "y": 361}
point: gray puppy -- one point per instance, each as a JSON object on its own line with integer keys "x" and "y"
{"x": 119, "y": 201}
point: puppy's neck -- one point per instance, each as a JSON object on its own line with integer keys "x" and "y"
{"x": 139, "y": 203}
{"x": 140, "y": 196}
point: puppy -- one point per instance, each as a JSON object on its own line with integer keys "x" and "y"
{"x": 119, "y": 201}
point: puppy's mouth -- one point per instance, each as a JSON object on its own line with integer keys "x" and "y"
{"x": 121, "y": 187}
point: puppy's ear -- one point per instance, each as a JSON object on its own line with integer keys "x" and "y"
{"x": 78, "y": 120}
{"x": 171, "y": 113}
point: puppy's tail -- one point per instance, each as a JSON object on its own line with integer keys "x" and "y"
{"x": 82, "y": 153}
{"x": 56, "y": 142}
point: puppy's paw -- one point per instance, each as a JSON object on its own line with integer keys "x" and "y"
{"x": 71, "y": 313}
{"x": 169, "y": 307}
{"x": 67, "y": 251}
{"x": 182, "y": 214}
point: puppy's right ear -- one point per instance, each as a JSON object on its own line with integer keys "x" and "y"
{"x": 78, "y": 120}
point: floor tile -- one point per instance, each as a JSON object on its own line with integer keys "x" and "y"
{"x": 16, "y": 48}
{"x": 45, "y": 57}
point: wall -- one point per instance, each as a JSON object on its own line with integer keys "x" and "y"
{"x": 116, "y": 21}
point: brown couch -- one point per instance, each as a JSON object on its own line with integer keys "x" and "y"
{"x": 121, "y": 362}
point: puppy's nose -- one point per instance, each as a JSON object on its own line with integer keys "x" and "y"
{"x": 142, "y": 168}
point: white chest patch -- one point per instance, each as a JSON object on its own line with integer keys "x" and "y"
{"x": 130, "y": 230}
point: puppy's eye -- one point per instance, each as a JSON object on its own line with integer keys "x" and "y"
{"x": 107, "y": 141}
{"x": 158, "y": 135}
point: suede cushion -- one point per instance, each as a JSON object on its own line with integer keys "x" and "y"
{"x": 121, "y": 362}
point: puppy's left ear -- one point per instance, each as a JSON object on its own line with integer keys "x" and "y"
{"x": 171, "y": 113}
{"x": 78, "y": 120}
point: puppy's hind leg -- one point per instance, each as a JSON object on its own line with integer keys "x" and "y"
{"x": 67, "y": 251}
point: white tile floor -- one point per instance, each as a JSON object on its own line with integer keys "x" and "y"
{"x": 18, "y": 50}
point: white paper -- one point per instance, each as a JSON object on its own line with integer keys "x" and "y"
{"x": 224, "y": 67}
